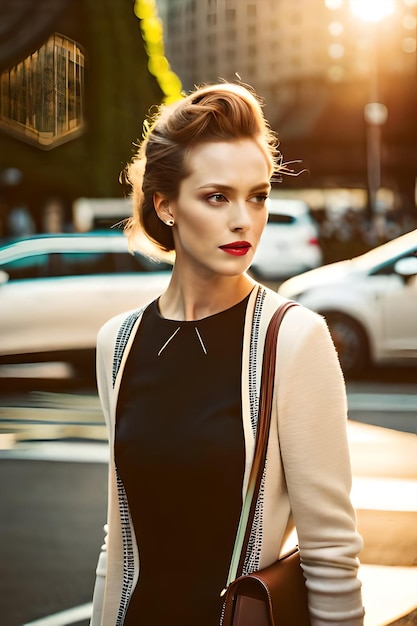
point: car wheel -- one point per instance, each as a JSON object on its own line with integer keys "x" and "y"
{"x": 350, "y": 341}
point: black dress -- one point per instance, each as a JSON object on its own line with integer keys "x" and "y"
{"x": 179, "y": 450}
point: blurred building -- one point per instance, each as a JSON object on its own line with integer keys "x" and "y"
{"x": 270, "y": 43}
{"x": 74, "y": 90}
{"x": 75, "y": 86}
{"x": 313, "y": 62}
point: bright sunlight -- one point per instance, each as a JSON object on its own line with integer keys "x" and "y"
{"x": 372, "y": 10}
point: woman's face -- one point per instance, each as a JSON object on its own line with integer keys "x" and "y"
{"x": 220, "y": 211}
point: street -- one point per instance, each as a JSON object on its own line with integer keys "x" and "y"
{"x": 54, "y": 483}
{"x": 51, "y": 529}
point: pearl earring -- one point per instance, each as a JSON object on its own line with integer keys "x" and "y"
{"x": 170, "y": 223}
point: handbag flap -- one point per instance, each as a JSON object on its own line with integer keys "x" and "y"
{"x": 281, "y": 586}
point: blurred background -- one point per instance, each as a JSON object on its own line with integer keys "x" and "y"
{"x": 338, "y": 78}
{"x": 77, "y": 78}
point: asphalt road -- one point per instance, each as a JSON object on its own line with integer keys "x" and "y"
{"x": 51, "y": 531}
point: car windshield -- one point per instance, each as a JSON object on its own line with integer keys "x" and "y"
{"x": 407, "y": 244}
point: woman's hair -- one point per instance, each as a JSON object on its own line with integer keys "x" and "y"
{"x": 221, "y": 112}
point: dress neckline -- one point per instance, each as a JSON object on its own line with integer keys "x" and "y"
{"x": 202, "y": 319}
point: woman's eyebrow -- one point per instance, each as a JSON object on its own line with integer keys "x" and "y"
{"x": 261, "y": 187}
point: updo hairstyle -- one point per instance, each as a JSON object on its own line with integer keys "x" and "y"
{"x": 220, "y": 112}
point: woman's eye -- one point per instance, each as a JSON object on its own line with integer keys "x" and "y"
{"x": 260, "y": 199}
{"x": 217, "y": 197}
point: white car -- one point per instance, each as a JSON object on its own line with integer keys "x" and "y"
{"x": 56, "y": 291}
{"x": 290, "y": 242}
{"x": 369, "y": 302}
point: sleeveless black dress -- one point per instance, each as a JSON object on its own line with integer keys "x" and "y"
{"x": 179, "y": 450}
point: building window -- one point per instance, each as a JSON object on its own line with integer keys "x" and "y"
{"x": 191, "y": 47}
{"x": 42, "y": 98}
{"x": 230, "y": 15}
{"x": 231, "y": 55}
{"x": 211, "y": 60}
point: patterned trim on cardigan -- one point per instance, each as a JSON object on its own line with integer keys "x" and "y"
{"x": 253, "y": 552}
{"x": 123, "y": 335}
{"x": 128, "y": 554}
{"x": 121, "y": 341}
{"x": 253, "y": 396}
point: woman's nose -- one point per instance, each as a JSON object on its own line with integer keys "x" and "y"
{"x": 240, "y": 220}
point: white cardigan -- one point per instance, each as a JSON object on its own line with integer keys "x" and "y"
{"x": 308, "y": 475}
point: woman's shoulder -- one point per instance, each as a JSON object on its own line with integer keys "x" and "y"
{"x": 304, "y": 333}
{"x": 110, "y": 330}
{"x": 299, "y": 314}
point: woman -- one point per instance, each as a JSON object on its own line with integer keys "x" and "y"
{"x": 179, "y": 386}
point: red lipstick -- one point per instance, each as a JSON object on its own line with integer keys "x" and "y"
{"x": 237, "y": 248}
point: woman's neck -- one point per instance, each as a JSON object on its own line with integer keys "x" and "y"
{"x": 185, "y": 301}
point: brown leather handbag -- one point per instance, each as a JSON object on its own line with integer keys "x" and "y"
{"x": 275, "y": 595}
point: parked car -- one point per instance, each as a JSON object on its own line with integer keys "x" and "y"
{"x": 56, "y": 291}
{"x": 290, "y": 242}
{"x": 369, "y": 302}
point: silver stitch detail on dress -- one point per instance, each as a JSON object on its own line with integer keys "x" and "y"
{"x": 168, "y": 340}
{"x": 173, "y": 335}
{"x": 201, "y": 341}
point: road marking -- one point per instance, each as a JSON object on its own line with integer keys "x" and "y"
{"x": 63, "y": 618}
{"x": 44, "y": 415}
{"x": 61, "y": 451}
{"x": 58, "y": 370}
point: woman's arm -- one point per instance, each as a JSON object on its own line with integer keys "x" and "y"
{"x": 315, "y": 454}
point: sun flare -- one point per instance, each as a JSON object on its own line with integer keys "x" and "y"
{"x": 372, "y": 10}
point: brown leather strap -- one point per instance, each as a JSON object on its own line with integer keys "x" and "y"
{"x": 261, "y": 442}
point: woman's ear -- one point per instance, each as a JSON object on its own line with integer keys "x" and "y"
{"x": 163, "y": 208}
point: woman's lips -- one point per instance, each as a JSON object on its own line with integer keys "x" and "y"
{"x": 237, "y": 248}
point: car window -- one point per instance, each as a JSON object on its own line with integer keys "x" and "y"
{"x": 388, "y": 268}
{"x": 32, "y": 266}
{"x": 384, "y": 270}
{"x": 94, "y": 263}
{"x": 394, "y": 249}
{"x": 81, "y": 263}
{"x": 279, "y": 218}
{"x": 136, "y": 262}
